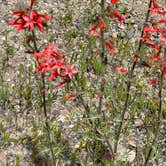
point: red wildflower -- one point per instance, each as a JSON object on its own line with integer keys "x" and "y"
{"x": 116, "y": 14}
{"x": 59, "y": 84}
{"x": 53, "y": 75}
{"x": 102, "y": 26}
{"x": 153, "y": 82}
{"x": 113, "y": 1}
{"x": 154, "y": 46}
{"x": 70, "y": 96}
{"x": 156, "y": 57}
{"x": 110, "y": 44}
{"x": 69, "y": 71}
{"x": 121, "y": 69}
{"x": 53, "y": 61}
{"x": 93, "y": 31}
{"x": 29, "y": 19}
{"x": 155, "y": 9}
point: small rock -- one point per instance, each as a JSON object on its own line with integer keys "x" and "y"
{"x": 132, "y": 143}
{"x": 131, "y": 156}
{"x": 138, "y": 123}
{"x": 126, "y": 116}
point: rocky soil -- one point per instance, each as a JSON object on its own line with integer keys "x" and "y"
{"x": 80, "y": 10}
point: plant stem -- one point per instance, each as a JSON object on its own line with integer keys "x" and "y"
{"x": 129, "y": 83}
{"x": 103, "y": 55}
{"x": 86, "y": 106}
{"x": 44, "y": 105}
{"x": 46, "y": 119}
{"x": 142, "y": 32}
{"x": 107, "y": 141}
{"x": 156, "y": 129}
{"x": 124, "y": 108}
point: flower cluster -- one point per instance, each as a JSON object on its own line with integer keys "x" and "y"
{"x": 155, "y": 35}
{"x": 96, "y": 29}
{"x": 29, "y": 19}
{"x": 53, "y": 61}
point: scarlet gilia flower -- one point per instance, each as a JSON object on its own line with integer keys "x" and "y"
{"x": 153, "y": 82}
{"x": 70, "y": 96}
{"x": 155, "y": 36}
{"x": 155, "y": 9}
{"x": 29, "y": 19}
{"x": 113, "y": 1}
{"x": 53, "y": 61}
{"x": 120, "y": 17}
{"x": 121, "y": 69}
{"x": 110, "y": 44}
{"x": 69, "y": 71}
{"x": 102, "y": 26}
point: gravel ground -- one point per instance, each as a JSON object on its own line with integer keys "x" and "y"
{"x": 80, "y": 10}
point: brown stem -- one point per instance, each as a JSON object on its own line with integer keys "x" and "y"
{"x": 44, "y": 106}
{"x": 107, "y": 141}
{"x": 156, "y": 129}
{"x": 142, "y": 32}
{"x": 129, "y": 84}
{"x": 124, "y": 108}
{"x": 86, "y": 106}
{"x": 103, "y": 55}
{"x": 46, "y": 119}
{"x": 101, "y": 99}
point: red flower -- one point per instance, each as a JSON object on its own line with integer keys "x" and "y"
{"x": 102, "y": 26}
{"x": 155, "y": 9}
{"x": 121, "y": 69}
{"x": 53, "y": 75}
{"x": 70, "y": 96}
{"x": 53, "y": 61}
{"x": 59, "y": 84}
{"x": 116, "y": 14}
{"x": 110, "y": 44}
{"x": 113, "y": 1}
{"x": 153, "y": 82}
{"x": 69, "y": 71}
{"x": 93, "y": 31}
{"x": 30, "y": 20}
{"x": 50, "y": 60}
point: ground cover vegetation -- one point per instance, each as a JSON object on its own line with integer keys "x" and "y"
{"x": 103, "y": 104}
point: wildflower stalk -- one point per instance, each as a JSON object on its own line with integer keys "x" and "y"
{"x": 85, "y": 105}
{"x": 159, "y": 117}
{"x": 104, "y": 57}
{"x": 44, "y": 105}
{"x": 119, "y": 130}
{"x": 102, "y": 135}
